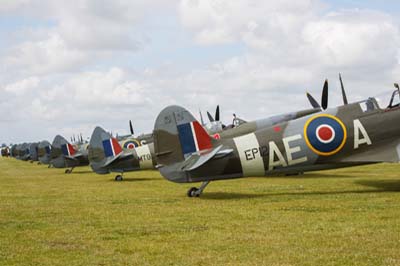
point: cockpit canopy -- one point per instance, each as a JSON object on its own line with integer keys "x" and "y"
{"x": 388, "y": 100}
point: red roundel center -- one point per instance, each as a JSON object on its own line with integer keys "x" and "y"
{"x": 131, "y": 146}
{"x": 325, "y": 133}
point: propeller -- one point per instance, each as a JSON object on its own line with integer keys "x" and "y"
{"x": 201, "y": 118}
{"x": 131, "y": 127}
{"x": 210, "y": 117}
{"x": 324, "y": 98}
{"x": 216, "y": 117}
{"x": 313, "y": 102}
{"x": 345, "y": 102}
{"x": 396, "y": 85}
{"x": 217, "y": 113}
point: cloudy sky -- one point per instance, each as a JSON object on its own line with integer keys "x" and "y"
{"x": 67, "y": 66}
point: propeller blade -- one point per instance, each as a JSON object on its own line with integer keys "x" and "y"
{"x": 201, "y": 118}
{"x": 210, "y": 117}
{"x": 396, "y": 85}
{"x": 343, "y": 91}
{"x": 324, "y": 97}
{"x": 313, "y": 102}
{"x": 217, "y": 113}
{"x": 131, "y": 127}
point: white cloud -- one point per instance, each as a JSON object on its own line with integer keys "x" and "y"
{"x": 44, "y": 57}
{"x": 354, "y": 38}
{"x": 21, "y": 87}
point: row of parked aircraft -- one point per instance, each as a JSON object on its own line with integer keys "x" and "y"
{"x": 186, "y": 150}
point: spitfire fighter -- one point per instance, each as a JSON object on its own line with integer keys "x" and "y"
{"x": 107, "y": 154}
{"x": 344, "y": 136}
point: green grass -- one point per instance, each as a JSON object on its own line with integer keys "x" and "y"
{"x": 343, "y": 217}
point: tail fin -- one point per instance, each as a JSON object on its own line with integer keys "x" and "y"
{"x": 56, "y": 154}
{"x": 103, "y": 148}
{"x": 33, "y": 151}
{"x": 44, "y": 152}
{"x": 177, "y": 135}
{"x": 67, "y": 148}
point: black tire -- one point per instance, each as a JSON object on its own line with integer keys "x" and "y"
{"x": 192, "y": 192}
{"x": 67, "y": 171}
{"x": 118, "y": 178}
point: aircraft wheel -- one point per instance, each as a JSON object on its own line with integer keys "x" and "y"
{"x": 67, "y": 171}
{"x": 118, "y": 178}
{"x": 192, "y": 192}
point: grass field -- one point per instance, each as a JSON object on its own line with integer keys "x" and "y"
{"x": 342, "y": 217}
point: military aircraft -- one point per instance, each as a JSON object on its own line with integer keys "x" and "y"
{"x": 13, "y": 151}
{"x": 57, "y": 158}
{"x": 44, "y": 150}
{"x": 74, "y": 154}
{"x": 23, "y": 152}
{"x": 107, "y": 155}
{"x": 357, "y": 133}
{"x": 63, "y": 154}
{"x": 33, "y": 151}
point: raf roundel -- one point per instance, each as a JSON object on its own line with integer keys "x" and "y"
{"x": 325, "y": 134}
{"x": 131, "y": 144}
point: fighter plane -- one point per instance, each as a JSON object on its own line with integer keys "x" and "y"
{"x": 357, "y": 133}
{"x": 13, "y": 151}
{"x": 23, "y": 152}
{"x": 74, "y": 154}
{"x": 107, "y": 154}
{"x": 33, "y": 151}
{"x": 57, "y": 158}
{"x": 44, "y": 149}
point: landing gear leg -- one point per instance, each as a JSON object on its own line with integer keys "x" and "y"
{"x": 68, "y": 171}
{"x": 196, "y": 192}
{"x": 119, "y": 177}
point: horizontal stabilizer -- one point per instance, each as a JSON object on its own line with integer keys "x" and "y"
{"x": 196, "y": 160}
{"x": 74, "y": 157}
{"x": 120, "y": 156}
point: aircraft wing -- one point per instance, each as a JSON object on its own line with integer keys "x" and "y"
{"x": 388, "y": 152}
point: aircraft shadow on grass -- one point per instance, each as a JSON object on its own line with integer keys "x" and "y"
{"x": 377, "y": 186}
{"x": 134, "y": 179}
{"x": 81, "y": 172}
{"x": 316, "y": 175}
{"x": 392, "y": 185}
